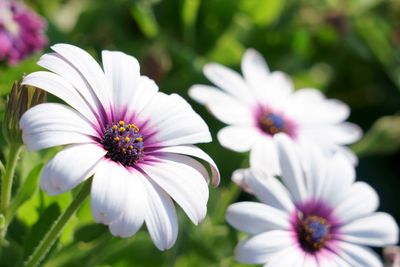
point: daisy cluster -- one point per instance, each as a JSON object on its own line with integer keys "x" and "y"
{"x": 136, "y": 145}
{"x": 21, "y": 32}
{"x": 313, "y": 212}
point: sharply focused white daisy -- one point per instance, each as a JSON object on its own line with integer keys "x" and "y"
{"x": 317, "y": 217}
{"x": 134, "y": 140}
{"x": 263, "y": 103}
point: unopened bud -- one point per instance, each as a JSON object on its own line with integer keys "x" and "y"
{"x": 22, "y": 98}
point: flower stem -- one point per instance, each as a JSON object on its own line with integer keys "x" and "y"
{"x": 6, "y": 184}
{"x": 52, "y": 235}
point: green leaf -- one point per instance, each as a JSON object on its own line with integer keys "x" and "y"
{"x": 28, "y": 189}
{"x": 143, "y": 13}
{"x": 262, "y": 12}
{"x": 40, "y": 228}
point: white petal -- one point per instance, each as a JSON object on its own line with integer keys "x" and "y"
{"x": 230, "y": 81}
{"x": 339, "y": 178}
{"x": 131, "y": 91}
{"x": 239, "y": 177}
{"x": 292, "y": 175}
{"x": 264, "y": 156}
{"x": 270, "y": 191}
{"x": 255, "y": 218}
{"x": 238, "y": 138}
{"x": 278, "y": 89}
{"x": 314, "y": 163}
{"x": 379, "y": 229}
{"x": 222, "y": 105}
{"x": 291, "y": 256}
{"x": 57, "y": 64}
{"x": 259, "y": 248}
{"x": 52, "y": 124}
{"x": 358, "y": 256}
{"x": 70, "y": 167}
{"x": 328, "y": 258}
{"x": 310, "y": 107}
{"x": 254, "y": 68}
{"x": 56, "y": 85}
{"x": 196, "y": 152}
{"x": 109, "y": 191}
{"x": 181, "y": 177}
{"x": 360, "y": 201}
{"x": 171, "y": 121}
{"x": 161, "y": 219}
{"x": 132, "y": 216}
{"x": 89, "y": 69}
{"x": 339, "y": 134}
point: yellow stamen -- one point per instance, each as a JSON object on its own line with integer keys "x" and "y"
{"x": 116, "y": 139}
{"x": 115, "y": 127}
{"x": 127, "y": 139}
{"x": 122, "y": 129}
{"x": 139, "y": 139}
{"x": 121, "y": 123}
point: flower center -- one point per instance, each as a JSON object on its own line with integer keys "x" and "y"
{"x": 123, "y": 143}
{"x": 313, "y": 233}
{"x": 272, "y": 123}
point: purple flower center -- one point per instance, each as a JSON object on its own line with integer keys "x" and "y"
{"x": 272, "y": 123}
{"x": 123, "y": 143}
{"x": 313, "y": 233}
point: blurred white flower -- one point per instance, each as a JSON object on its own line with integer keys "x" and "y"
{"x": 134, "y": 140}
{"x": 263, "y": 103}
{"x": 316, "y": 217}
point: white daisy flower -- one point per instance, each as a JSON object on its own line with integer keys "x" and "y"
{"x": 314, "y": 217}
{"x": 134, "y": 140}
{"x": 263, "y": 103}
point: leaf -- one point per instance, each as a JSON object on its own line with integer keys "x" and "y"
{"x": 28, "y": 188}
{"x": 40, "y": 228}
{"x": 143, "y": 13}
{"x": 262, "y": 12}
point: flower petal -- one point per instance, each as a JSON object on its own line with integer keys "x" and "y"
{"x": 291, "y": 256}
{"x": 161, "y": 117}
{"x": 378, "y": 229}
{"x": 264, "y": 156}
{"x": 357, "y": 255}
{"x": 303, "y": 104}
{"x": 70, "y": 167}
{"x": 254, "y": 68}
{"x": 90, "y": 70}
{"x": 56, "y": 85}
{"x": 238, "y": 138}
{"x": 52, "y": 124}
{"x": 230, "y": 81}
{"x": 131, "y": 91}
{"x": 340, "y": 176}
{"x": 255, "y": 218}
{"x": 341, "y": 134}
{"x": 259, "y": 248}
{"x": 194, "y": 151}
{"x": 57, "y": 64}
{"x": 132, "y": 216}
{"x": 161, "y": 219}
{"x": 222, "y": 105}
{"x": 269, "y": 190}
{"x": 292, "y": 175}
{"x": 360, "y": 201}
{"x": 109, "y": 192}
{"x": 181, "y": 177}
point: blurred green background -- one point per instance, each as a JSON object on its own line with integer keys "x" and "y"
{"x": 349, "y": 49}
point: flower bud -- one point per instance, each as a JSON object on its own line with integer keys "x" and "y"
{"x": 22, "y": 97}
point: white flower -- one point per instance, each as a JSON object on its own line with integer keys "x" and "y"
{"x": 263, "y": 103}
{"x": 318, "y": 217}
{"x": 134, "y": 140}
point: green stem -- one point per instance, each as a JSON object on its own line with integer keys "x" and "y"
{"x": 6, "y": 184}
{"x": 52, "y": 235}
